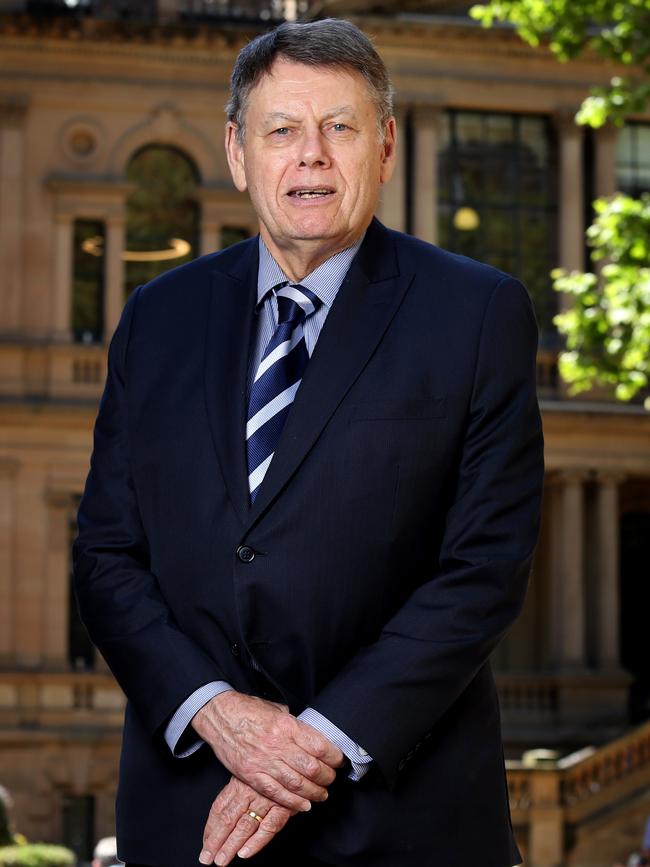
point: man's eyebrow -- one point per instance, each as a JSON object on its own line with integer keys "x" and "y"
{"x": 333, "y": 112}
{"x": 280, "y": 115}
{"x": 340, "y": 109}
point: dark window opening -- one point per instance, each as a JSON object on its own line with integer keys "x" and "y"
{"x": 162, "y": 224}
{"x": 633, "y": 159}
{"x": 79, "y": 825}
{"x": 88, "y": 281}
{"x": 498, "y": 198}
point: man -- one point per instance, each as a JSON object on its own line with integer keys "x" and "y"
{"x": 299, "y": 588}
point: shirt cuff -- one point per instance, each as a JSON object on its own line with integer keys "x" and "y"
{"x": 178, "y": 731}
{"x": 359, "y": 758}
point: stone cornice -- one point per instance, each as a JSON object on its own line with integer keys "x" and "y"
{"x": 421, "y": 31}
{"x": 100, "y": 185}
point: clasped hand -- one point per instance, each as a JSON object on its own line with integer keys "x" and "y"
{"x": 279, "y": 766}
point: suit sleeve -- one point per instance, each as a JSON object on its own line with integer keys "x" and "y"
{"x": 392, "y": 692}
{"x": 119, "y": 598}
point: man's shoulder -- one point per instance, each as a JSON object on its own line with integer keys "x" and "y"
{"x": 430, "y": 260}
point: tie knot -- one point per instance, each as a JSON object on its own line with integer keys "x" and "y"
{"x": 295, "y": 303}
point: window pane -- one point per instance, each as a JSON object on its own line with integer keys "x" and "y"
{"x": 88, "y": 281}
{"x": 79, "y": 825}
{"x": 498, "y": 196}
{"x": 633, "y": 159}
{"x": 162, "y": 214}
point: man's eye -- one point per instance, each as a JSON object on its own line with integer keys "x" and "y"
{"x": 283, "y": 130}
{"x": 340, "y": 127}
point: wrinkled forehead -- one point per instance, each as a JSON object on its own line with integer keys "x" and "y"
{"x": 289, "y": 81}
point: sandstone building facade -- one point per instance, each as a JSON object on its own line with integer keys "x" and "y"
{"x": 111, "y": 169}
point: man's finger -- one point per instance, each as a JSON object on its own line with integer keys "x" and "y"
{"x": 289, "y": 775}
{"x": 273, "y": 822}
{"x": 271, "y": 788}
{"x": 317, "y": 745}
{"x": 222, "y": 819}
{"x": 311, "y": 768}
{"x": 244, "y": 828}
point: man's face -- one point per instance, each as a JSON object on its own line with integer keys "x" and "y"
{"x": 312, "y": 159}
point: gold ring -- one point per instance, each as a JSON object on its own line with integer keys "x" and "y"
{"x": 254, "y": 815}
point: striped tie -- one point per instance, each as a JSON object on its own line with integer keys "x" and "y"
{"x": 277, "y": 379}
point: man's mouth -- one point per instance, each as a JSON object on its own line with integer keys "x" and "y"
{"x": 311, "y": 193}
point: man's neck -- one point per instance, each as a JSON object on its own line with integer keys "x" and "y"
{"x": 299, "y": 260}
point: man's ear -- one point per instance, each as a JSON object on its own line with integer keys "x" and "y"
{"x": 235, "y": 156}
{"x": 388, "y": 151}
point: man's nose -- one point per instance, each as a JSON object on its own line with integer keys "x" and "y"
{"x": 313, "y": 149}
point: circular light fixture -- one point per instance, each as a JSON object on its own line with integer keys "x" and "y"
{"x": 466, "y": 219}
{"x": 177, "y": 249}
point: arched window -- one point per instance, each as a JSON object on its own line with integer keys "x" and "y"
{"x": 162, "y": 222}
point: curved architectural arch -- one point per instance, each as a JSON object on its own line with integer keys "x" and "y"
{"x": 165, "y": 126}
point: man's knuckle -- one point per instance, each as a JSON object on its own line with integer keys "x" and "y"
{"x": 270, "y": 788}
{"x": 292, "y": 781}
{"x": 275, "y": 822}
{"x": 312, "y": 766}
{"x": 245, "y": 822}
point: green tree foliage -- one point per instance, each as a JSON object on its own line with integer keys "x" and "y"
{"x": 608, "y": 326}
{"x": 617, "y": 30}
{"x": 36, "y": 855}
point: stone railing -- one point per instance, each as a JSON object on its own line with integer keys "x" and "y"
{"x": 52, "y": 371}
{"x": 41, "y": 370}
{"x": 528, "y": 695}
{"x": 43, "y": 700}
{"x": 552, "y": 798}
{"x": 591, "y": 782}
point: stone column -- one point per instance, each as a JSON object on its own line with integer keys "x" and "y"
{"x": 425, "y": 172}
{"x": 63, "y": 276}
{"x": 114, "y": 275}
{"x": 572, "y": 586}
{"x": 211, "y": 222}
{"x": 12, "y": 182}
{"x": 606, "y": 138}
{"x": 57, "y": 584}
{"x": 606, "y": 564}
{"x": 571, "y": 214}
{"x": 29, "y": 560}
{"x": 392, "y": 202}
{"x": 8, "y": 470}
{"x": 546, "y": 820}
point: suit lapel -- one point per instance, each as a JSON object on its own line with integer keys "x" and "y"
{"x": 228, "y": 348}
{"x": 360, "y": 315}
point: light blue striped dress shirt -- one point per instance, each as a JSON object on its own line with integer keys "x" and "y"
{"x": 325, "y": 282}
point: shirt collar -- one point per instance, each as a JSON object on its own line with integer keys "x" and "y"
{"x": 325, "y": 281}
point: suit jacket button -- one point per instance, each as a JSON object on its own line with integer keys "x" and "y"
{"x": 245, "y": 554}
{"x": 234, "y": 649}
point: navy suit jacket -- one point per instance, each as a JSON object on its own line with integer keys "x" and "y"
{"x": 393, "y": 537}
